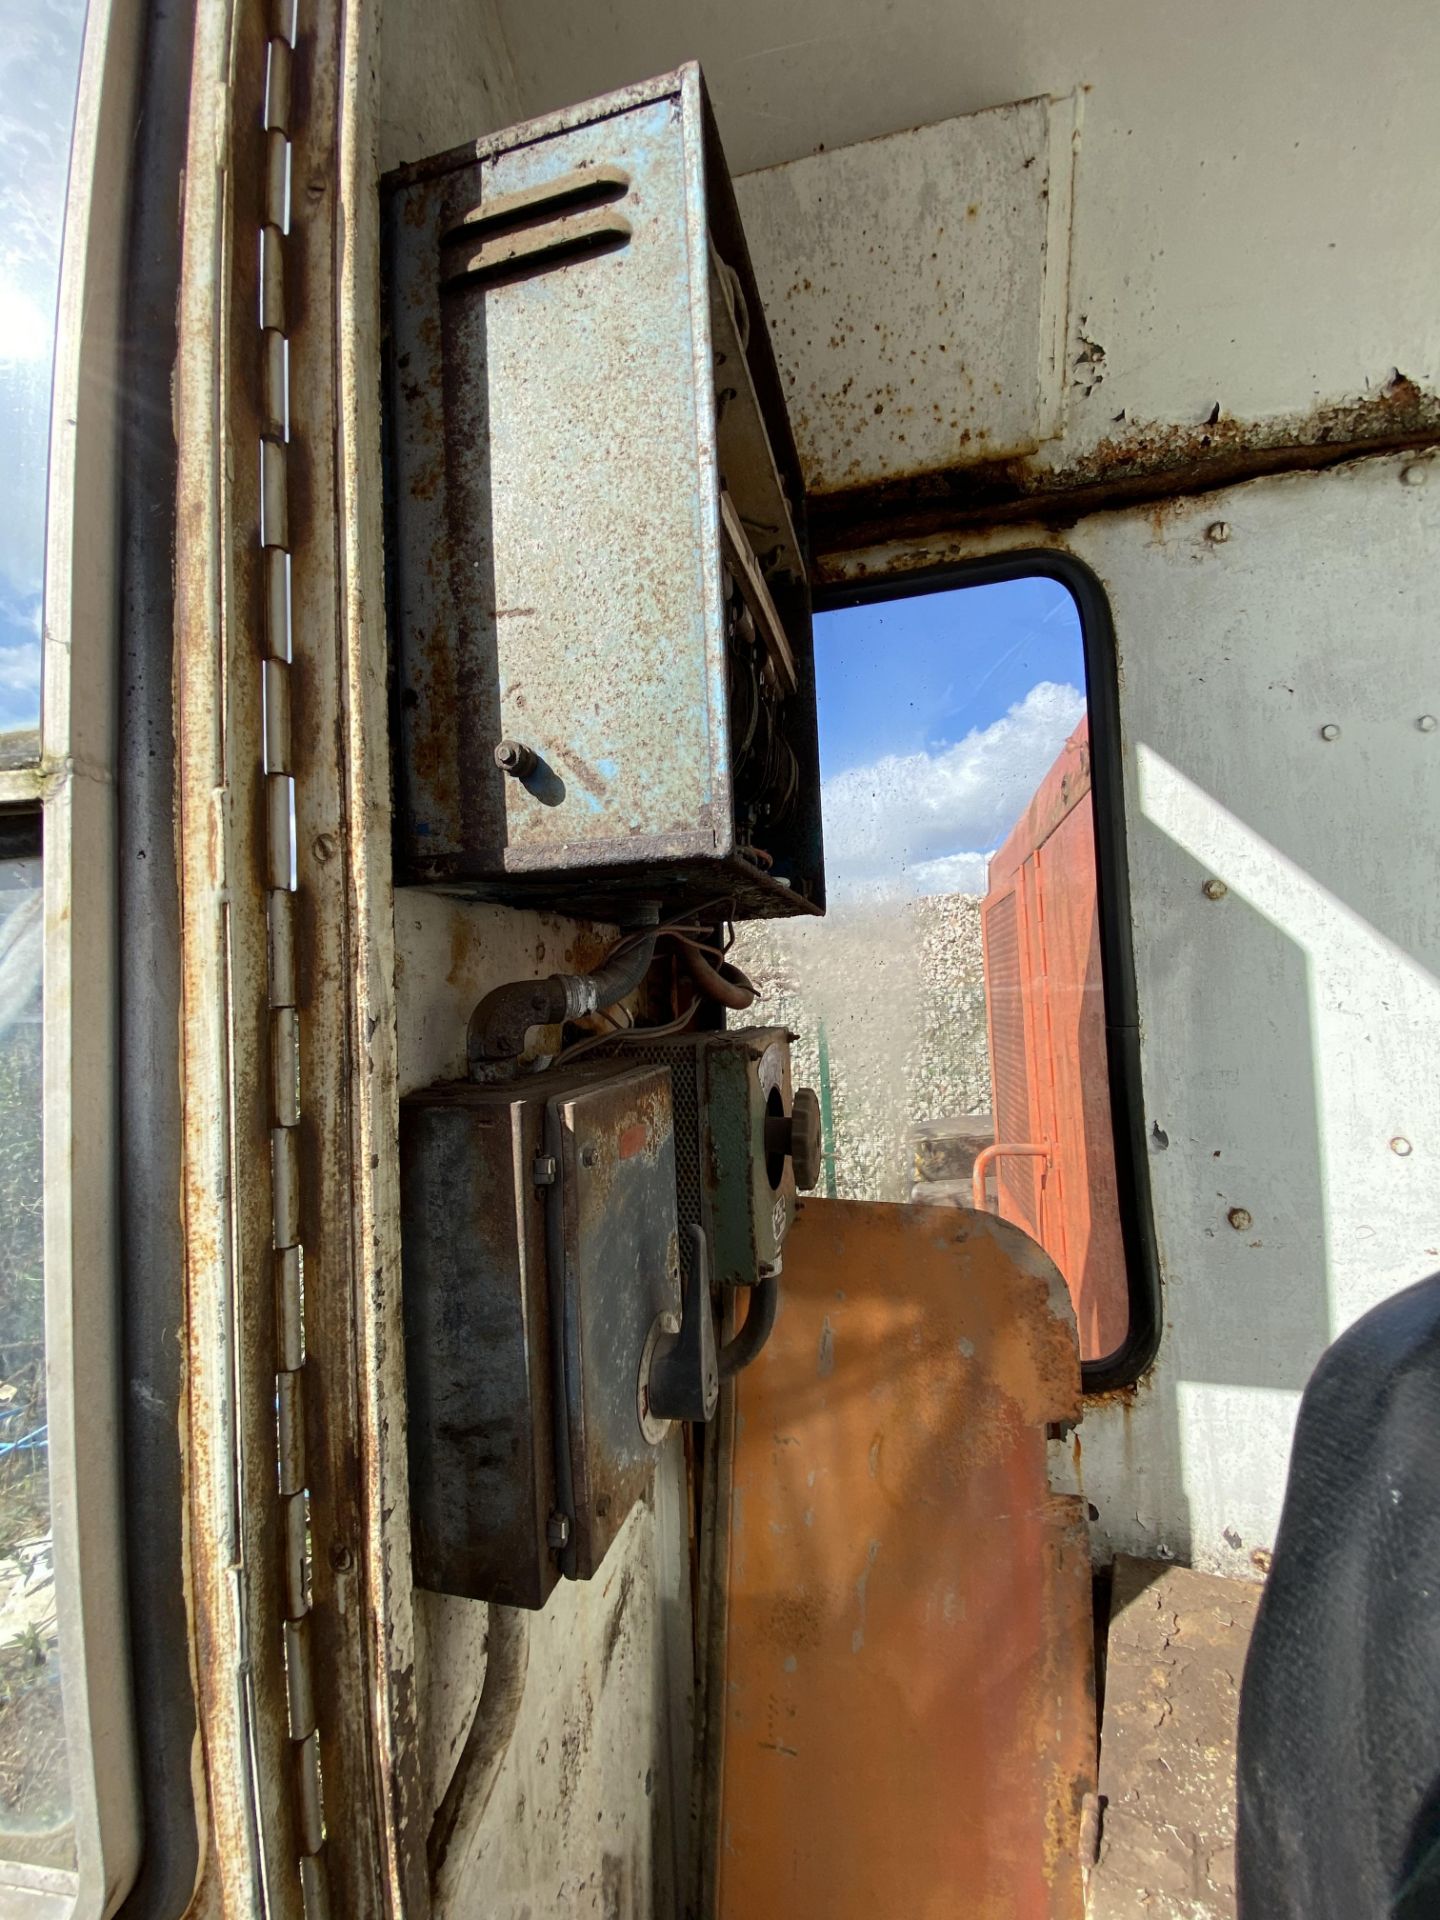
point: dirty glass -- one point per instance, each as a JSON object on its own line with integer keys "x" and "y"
{"x": 39, "y": 74}
{"x": 34, "y": 1783}
{"x": 39, "y": 68}
{"x": 950, "y": 1003}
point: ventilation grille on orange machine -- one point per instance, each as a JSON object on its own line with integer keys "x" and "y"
{"x": 1009, "y": 1069}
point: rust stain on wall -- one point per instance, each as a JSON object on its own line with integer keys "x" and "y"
{"x": 1137, "y": 461}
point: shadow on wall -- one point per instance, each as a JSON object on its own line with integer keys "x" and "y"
{"x": 1269, "y": 1008}
{"x": 1243, "y": 1327}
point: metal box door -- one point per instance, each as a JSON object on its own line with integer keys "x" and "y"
{"x": 578, "y": 365}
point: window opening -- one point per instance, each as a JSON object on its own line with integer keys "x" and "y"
{"x": 950, "y": 1009}
{"x": 42, "y": 66}
{"x": 34, "y": 1775}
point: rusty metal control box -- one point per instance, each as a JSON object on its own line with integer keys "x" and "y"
{"x": 542, "y": 1276}
{"x": 598, "y": 608}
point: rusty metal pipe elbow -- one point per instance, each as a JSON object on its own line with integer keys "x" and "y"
{"x": 501, "y": 1021}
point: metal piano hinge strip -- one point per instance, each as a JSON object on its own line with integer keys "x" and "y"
{"x": 286, "y": 1093}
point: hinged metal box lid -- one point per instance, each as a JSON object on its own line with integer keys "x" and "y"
{"x": 615, "y": 1199}
{"x": 596, "y": 543}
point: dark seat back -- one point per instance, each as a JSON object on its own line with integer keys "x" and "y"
{"x": 1339, "y": 1744}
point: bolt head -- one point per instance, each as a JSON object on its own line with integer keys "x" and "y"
{"x": 512, "y": 757}
{"x": 1330, "y": 731}
{"x": 1215, "y": 889}
{"x": 1427, "y": 723}
{"x": 1401, "y": 1146}
{"x": 1218, "y": 531}
{"x": 1415, "y": 475}
{"x": 1240, "y": 1219}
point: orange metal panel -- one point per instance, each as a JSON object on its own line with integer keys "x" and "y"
{"x": 1044, "y": 991}
{"x": 908, "y": 1700}
{"x": 1083, "y": 1196}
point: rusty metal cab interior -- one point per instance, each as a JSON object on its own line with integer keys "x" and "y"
{"x": 417, "y": 587}
{"x": 598, "y": 568}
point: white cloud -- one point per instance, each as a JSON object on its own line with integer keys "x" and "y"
{"x": 917, "y": 822}
{"x": 25, "y": 332}
{"x": 20, "y": 668}
{"x": 952, "y": 873}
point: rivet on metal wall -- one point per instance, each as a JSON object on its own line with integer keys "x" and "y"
{"x": 1415, "y": 475}
{"x": 1215, "y": 889}
{"x": 1427, "y": 723}
{"x": 1329, "y": 731}
{"x": 1240, "y": 1218}
{"x": 1218, "y": 531}
{"x": 1401, "y": 1146}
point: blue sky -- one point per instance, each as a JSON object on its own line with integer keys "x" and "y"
{"x": 39, "y": 62}
{"x": 939, "y": 716}
{"x": 902, "y": 676}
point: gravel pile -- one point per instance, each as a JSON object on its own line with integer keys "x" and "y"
{"x": 901, "y": 993}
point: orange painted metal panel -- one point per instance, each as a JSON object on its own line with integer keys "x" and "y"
{"x": 908, "y": 1702}
{"x": 1050, "y": 1079}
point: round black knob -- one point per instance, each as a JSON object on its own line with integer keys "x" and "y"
{"x": 807, "y": 1141}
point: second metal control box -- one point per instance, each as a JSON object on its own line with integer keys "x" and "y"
{"x": 541, "y": 1263}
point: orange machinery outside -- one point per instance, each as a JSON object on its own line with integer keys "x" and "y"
{"x": 1049, "y": 1077}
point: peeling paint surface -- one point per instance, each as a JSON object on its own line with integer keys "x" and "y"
{"x": 909, "y": 1722}
{"x": 589, "y": 1813}
{"x": 1204, "y": 263}
{"x": 915, "y": 289}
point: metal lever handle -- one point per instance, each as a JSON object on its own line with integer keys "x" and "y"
{"x": 986, "y": 1158}
{"x": 684, "y": 1374}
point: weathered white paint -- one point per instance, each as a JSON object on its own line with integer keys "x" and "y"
{"x": 1291, "y": 1029}
{"x": 444, "y": 76}
{"x": 1257, "y": 201}
{"x": 915, "y": 289}
{"x": 590, "y": 1811}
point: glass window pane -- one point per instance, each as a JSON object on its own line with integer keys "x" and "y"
{"x": 34, "y": 1780}
{"x": 951, "y": 1001}
{"x": 39, "y": 72}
